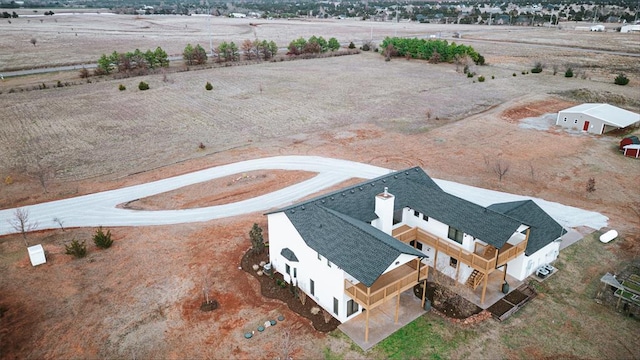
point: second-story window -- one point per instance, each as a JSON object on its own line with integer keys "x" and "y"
{"x": 455, "y": 234}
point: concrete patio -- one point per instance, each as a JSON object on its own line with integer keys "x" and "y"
{"x": 381, "y": 320}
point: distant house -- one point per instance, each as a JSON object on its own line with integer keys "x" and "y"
{"x": 597, "y": 28}
{"x": 596, "y": 118}
{"x": 358, "y": 247}
{"x": 237, "y": 15}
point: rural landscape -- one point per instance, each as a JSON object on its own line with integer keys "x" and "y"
{"x": 78, "y": 120}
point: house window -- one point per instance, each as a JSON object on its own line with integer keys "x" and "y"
{"x": 416, "y": 213}
{"x": 288, "y": 269}
{"x": 335, "y": 306}
{"x": 416, "y": 244}
{"x": 352, "y": 307}
{"x": 397, "y": 217}
{"x": 312, "y": 287}
{"x": 453, "y": 262}
{"x": 295, "y": 272}
{"x": 455, "y": 235}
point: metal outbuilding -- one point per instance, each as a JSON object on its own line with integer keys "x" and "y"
{"x": 596, "y": 118}
{"x": 629, "y": 140}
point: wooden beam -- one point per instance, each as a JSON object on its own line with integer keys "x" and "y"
{"x": 397, "y": 306}
{"x": 366, "y": 328}
{"x": 484, "y": 288}
{"x": 424, "y": 292}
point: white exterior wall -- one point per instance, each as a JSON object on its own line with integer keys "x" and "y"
{"x": 328, "y": 281}
{"x": 576, "y": 120}
{"x": 523, "y": 266}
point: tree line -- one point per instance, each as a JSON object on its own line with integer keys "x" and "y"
{"x": 432, "y": 50}
{"x": 314, "y": 45}
{"x": 129, "y": 61}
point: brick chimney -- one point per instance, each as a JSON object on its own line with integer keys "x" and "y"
{"x": 384, "y": 210}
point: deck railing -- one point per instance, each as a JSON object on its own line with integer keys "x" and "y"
{"x": 510, "y": 252}
{"x": 370, "y": 300}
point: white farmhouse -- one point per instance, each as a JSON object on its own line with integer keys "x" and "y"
{"x": 360, "y": 246}
{"x": 596, "y": 118}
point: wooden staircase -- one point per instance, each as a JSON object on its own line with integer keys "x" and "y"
{"x": 475, "y": 279}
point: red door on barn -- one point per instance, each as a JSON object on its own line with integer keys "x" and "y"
{"x": 586, "y": 126}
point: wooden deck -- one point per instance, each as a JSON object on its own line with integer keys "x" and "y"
{"x": 388, "y": 285}
{"x": 484, "y": 258}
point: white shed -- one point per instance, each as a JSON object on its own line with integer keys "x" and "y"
{"x": 596, "y": 118}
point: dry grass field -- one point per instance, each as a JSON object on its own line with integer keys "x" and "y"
{"x": 140, "y": 298}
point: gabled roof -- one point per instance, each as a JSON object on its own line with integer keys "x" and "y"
{"x": 609, "y": 114}
{"x": 543, "y": 228}
{"x": 338, "y": 225}
{"x": 361, "y": 250}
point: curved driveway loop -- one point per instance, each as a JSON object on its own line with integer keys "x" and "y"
{"x": 100, "y": 209}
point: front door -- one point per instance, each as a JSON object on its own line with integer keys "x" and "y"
{"x": 586, "y": 126}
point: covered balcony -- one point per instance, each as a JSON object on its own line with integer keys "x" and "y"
{"x": 386, "y": 287}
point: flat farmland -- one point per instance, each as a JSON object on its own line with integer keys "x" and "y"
{"x": 141, "y": 297}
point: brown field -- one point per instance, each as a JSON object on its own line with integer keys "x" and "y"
{"x": 140, "y": 298}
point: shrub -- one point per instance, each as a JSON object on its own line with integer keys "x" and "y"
{"x": 366, "y": 47}
{"x": 568, "y": 73}
{"x": 514, "y": 74}
{"x": 621, "y": 79}
{"x": 493, "y": 77}
{"x": 101, "y": 239}
{"x": 208, "y": 86}
{"x": 76, "y": 248}
{"x": 469, "y": 74}
{"x": 143, "y": 86}
{"x": 465, "y": 70}
{"x": 257, "y": 240}
{"x": 122, "y": 87}
{"x": 352, "y": 45}
{"x": 481, "y": 78}
{"x": 59, "y": 84}
{"x": 537, "y": 68}
{"x": 523, "y": 72}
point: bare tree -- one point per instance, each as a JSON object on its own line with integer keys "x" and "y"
{"x": 21, "y": 223}
{"x": 59, "y": 222}
{"x": 34, "y": 41}
{"x": 287, "y": 345}
{"x": 501, "y": 168}
{"x": 591, "y": 185}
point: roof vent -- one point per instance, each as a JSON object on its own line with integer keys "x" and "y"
{"x": 352, "y": 191}
{"x": 323, "y": 201}
{"x": 373, "y": 184}
{"x": 386, "y": 191}
{"x": 302, "y": 207}
{"x": 331, "y": 198}
{"x": 406, "y": 173}
{"x": 384, "y": 180}
{"x": 360, "y": 188}
{"x": 292, "y": 211}
{"x": 395, "y": 176}
{"x": 344, "y": 194}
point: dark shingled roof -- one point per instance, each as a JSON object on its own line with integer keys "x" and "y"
{"x": 337, "y": 225}
{"x": 544, "y": 229}
{"x": 289, "y": 255}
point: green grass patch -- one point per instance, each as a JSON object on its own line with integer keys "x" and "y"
{"x": 424, "y": 338}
